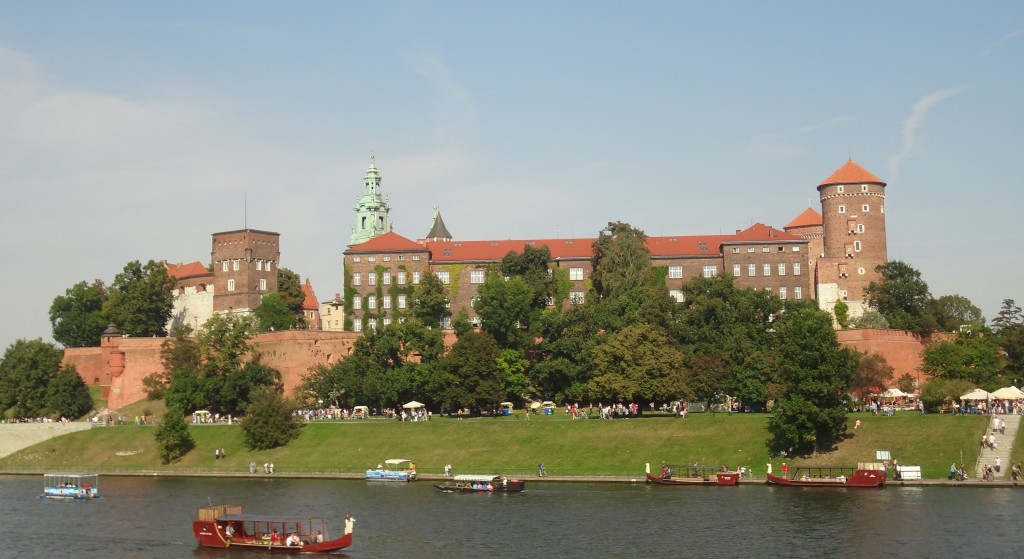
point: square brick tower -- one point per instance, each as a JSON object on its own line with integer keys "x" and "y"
{"x": 244, "y": 268}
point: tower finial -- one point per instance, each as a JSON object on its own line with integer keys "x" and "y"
{"x": 372, "y": 156}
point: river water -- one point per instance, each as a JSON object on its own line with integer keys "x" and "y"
{"x": 150, "y": 517}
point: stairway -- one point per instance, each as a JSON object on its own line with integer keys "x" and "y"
{"x": 1004, "y": 444}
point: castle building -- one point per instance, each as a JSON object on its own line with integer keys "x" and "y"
{"x": 828, "y": 256}
{"x": 372, "y": 209}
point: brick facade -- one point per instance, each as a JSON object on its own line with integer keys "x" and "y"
{"x": 244, "y": 268}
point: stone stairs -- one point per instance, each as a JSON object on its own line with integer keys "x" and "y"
{"x": 1004, "y": 444}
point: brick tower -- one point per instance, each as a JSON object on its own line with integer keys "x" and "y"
{"x": 853, "y": 223}
{"x": 244, "y": 269}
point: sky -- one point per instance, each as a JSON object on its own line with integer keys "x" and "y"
{"x": 134, "y": 130}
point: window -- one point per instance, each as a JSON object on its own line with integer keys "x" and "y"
{"x": 401, "y": 257}
{"x": 576, "y": 274}
{"x": 751, "y": 270}
{"x": 710, "y": 271}
{"x": 735, "y": 250}
{"x": 476, "y": 276}
{"x": 415, "y": 278}
{"x": 386, "y": 320}
{"x": 796, "y": 249}
{"x": 798, "y": 293}
{"x": 766, "y": 270}
{"x": 444, "y": 276}
{"x": 385, "y": 302}
{"x": 842, "y": 209}
{"x": 371, "y": 258}
{"x": 856, "y": 246}
{"x": 863, "y": 188}
{"x": 737, "y": 270}
{"x": 751, "y": 249}
{"x": 766, "y": 249}
{"x": 259, "y": 265}
{"x": 677, "y": 294}
{"x": 263, "y": 284}
{"x": 865, "y": 208}
{"x": 357, "y": 278}
{"x": 446, "y": 323}
{"x": 267, "y": 267}
{"x": 357, "y": 303}
{"x": 385, "y": 278}
{"x": 782, "y": 293}
{"x": 371, "y": 278}
{"x": 225, "y": 267}
{"x": 860, "y": 227}
{"x": 550, "y": 301}
{"x": 371, "y": 324}
{"x": 357, "y": 325}
{"x": 357, "y": 259}
{"x": 415, "y": 258}
{"x": 782, "y": 268}
{"x": 385, "y": 258}
{"x": 860, "y": 271}
{"x": 231, "y": 285}
{"x": 796, "y": 268}
{"x": 371, "y": 302}
{"x": 841, "y": 188}
{"x": 473, "y": 301}
{"x": 576, "y": 297}
{"x": 401, "y": 301}
{"x": 675, "y": 272}
{"x": 234, "y": 265}
{"x": 401, "y": 277}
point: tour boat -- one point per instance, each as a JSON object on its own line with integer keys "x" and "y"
{"x": 393, "y": 469}
{"x": 71, "y": 486}
{"x": 225, "y": 526}
{"x": 474, "y": 483}
{"x": 868, "y": 474}
{"x": 695, "y": 474}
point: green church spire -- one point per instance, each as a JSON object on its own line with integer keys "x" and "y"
{"x": 372, "y": 209}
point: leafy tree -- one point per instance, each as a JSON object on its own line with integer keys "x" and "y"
{"x": 952, "y": 311}
{"x": 461, "y": 323}
{"x": 637, "y": 363}
{"x": 224, "y": 342}
{"x": 902, "y": 297}
{"x": 187, "y": 389}
{"x": 472, "y": 366}
{"x": 26, "y": 370}
{"x": 430, "y": 301}
{"x": 67, "y": 395}
{"x": 937, "y": 392}
{"x": 513, "y": 367}
{"x": 289, "y": 287}
{"x": 906, "y": 383}
{"x": 141, "y": 299}
{"x": 564, "y": 365}
{"x": 269, "y": 420}
{"x": 870, "y": 319}
{"x": 814, "y": 376}
{"x": 172, "y": 437}
{"x": 971, "y": 356}
{"x": 274, "y": 314}
{"x": 708, "y": 380}
{"x": 1009, "y": 315}
{"x": 842, "y": 313}
{"x": 77, "y": 316}
{"x": 230, "y": 392}
{"x": 621, "y": 261}
{"x": 505, "y": 309}
{"x": 176, "y": 351}
{"x": 873, "y": 373}
{"x": 534, "y": 269}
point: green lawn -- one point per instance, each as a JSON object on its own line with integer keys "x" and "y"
{"x": 511, "y": 445}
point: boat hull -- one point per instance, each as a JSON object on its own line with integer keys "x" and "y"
{"x": 207, "y": 535}
{"x": 719, "y": 478}
{"x": 859, "y": 478}
{"x": 513, "y": 486}
{"x": 389, "y": 475}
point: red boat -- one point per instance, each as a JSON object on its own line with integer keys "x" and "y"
{"x": 225, "y": 526}
{"x": 864, "y": 475}
{"x": 695, "y": 474}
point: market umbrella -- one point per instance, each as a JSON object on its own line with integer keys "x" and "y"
{"x": 413, "y": 404}
{"x": 894, "y": 393}
{"x": 535, "y": 405}
{"x": 1008, "y": 393}
{"x": 976, "y": 394}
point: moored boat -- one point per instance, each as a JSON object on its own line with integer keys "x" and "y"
{"x": 393, "y": 469}
{"x": 71, "y": 486}
{"x": 474, "y": 483}
{"x": 692, "y": 474}
{"x": 866, "y": 474}
{"x": 225, "y": 526}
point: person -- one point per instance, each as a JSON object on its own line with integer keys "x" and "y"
{"x": 223, "y": 453}
{"x": 856, "y": 425}
{"x": 784, "y": 469}
{"x": 252, "y": 467}
{"x": 540, "y": 469}
{"x": 998, "y": 465}
{"x": 266, "y": 467}
{"x": 216, "y": 454}
{"x": 350, "y": 523}
{"x": 952, "y": 471}
{"x": 229, "y": 532}
{"x": 769, "y": 468}
{"x": 271, "y": 467}
{"x": 1015, "y": 472}
{"x": 275, "y": 538}
{"x": 293, "y": 539}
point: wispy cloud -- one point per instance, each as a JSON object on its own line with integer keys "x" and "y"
{"x": 825, "y": 124}
{"x": 1011, "y": 36}
{"x": 460, "y": 112}
{"x": 908, "y": 132}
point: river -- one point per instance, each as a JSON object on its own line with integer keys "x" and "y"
{"x": 150, "y": 517}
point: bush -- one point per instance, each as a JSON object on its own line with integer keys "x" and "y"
{"x": 173, "y": 438}
{"x": 269, "y": 421}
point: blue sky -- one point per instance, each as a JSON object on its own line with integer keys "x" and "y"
{"x": 133, "y": 130}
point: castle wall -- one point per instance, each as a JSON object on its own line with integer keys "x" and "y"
{"x": 901, "y": 349}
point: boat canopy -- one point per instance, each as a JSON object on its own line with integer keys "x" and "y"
{"x": 397, "y": 461}
{"x": 268, "y": 518}
{"x": 477, "y": 478}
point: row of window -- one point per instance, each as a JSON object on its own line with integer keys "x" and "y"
{"x": 371, "y": 302}
{"x": 766, "y": 269}
{"x": 842, "y": 188}
{"x": 263, "y": 285}
{"x": 385, "y": 258}
{"x": 234, "y": 265}
{"x": 865, "y": 208}
{"x": 736, "y": 250}
{"x": 371, "y": 323}
{"x": 385, "y": 278}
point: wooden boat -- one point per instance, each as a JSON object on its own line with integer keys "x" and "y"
{"x": 868, "y": 474}
{"x": 472, "y": 483}
{"x": 71, "y": 486}
{"x": 225, "y": 526}
{"x": 695, "y": 474}
{"x": 393, "y": 469}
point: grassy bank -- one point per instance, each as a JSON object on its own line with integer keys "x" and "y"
{"x": 512, "y": 446}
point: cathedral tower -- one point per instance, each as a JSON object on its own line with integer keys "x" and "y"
{"x": 372, "y": 209}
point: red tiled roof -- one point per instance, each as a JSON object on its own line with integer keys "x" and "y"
{"x": 809, "y": 218}
{"x": 182, "y": 271}
{"x": 310, "y": 303}
{"x": 761, "y": 232}
{"x": 851, "y": 173}
{"x": 388, "y": 242}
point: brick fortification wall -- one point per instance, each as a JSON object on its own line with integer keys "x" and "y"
{"x": 901, "y": 349}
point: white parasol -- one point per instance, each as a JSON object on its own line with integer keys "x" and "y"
{"x": 976, "y": 394}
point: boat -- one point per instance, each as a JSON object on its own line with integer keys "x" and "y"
{"x": 393, "y": 469}
{"x": 225, "y": 526}
{"x": 692, "y": 474}
{"x": 866, "y": 474}
{"x": 71, "y": 486}
{"x": 475, "y": 483}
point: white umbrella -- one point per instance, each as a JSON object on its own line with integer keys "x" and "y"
{"x": 894, "y": 393}
{"x": 413, "y": 404}
{"x": 1008, "y": 393}
{"x": 976, "y": 394}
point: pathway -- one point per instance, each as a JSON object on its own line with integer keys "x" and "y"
{"x": 1004, "y": 445}
{"x": 16, "y": 436}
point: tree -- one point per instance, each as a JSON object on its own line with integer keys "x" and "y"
{"x": 289, "y": 288}
{"x": 269, "y": 421}
{"x": 505, "y": 309}
{"x": 906, "y": 383}
{"x": 937, "y": 392}
{"x": 870, "y": 319}
{"x": 873, "y": 374}
{"x": 430, "y": 301}
{"x": 177, "y": 351}
{"x": 77, "y": 316}
{"x": 637, "y": 363}
{"x": 533, "y": 266}
{"x": 513, "y": 367}
{"x": 274, "y": 314}
{"x": 564, "y": 363}
{"x": 1009, "y": 315}
{"x": 230, "y": 392}
{"x": 950, "y": 312}
{"x": 67, "y": 395}
{"x": 971, "y": 356}
{"x": 186, "y": 391}
{"x": 472, "y": 367}
{"x": 814, "y": 376}
{"x": 621, "y": 260}
{"x": 902, "y": 297}
{"x": 26, "y": 370}
{"x": 224, "y": 342}
{"x": 842, "y": 312}
{"x": 172, "y": 437}
{"x": 141, "y": 299}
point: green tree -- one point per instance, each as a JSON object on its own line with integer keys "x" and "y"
{"x": 533, "y": 266}
{"x": 814, "y": 376}
{"x": 637, "y": 363}
{"x": 842, "y": 312}
{"x": 1009, "y": 315}
{"x": 902, "y": 297}
{"x": 505, "y": 309}
{"x": 472, "y": 367}
{"x": 26, "y": 370}
{"x": 939, "y": 392}
{"x": 564, "y": 364}
{"x": 971, "y": 356}
{"x": 621, "y": 261}
{"x": 269, "y": 421}
{"x": 274, "y": 314}
{"x": 870, "y": 319}
{"x": 430, "y": 301}
{"x": 178, "y": 350}
{"x": 77, "y": 316}
{"x": 873, "y": 374}
{"x": 186, "y": 391}
{"x": 230, "y": 392}
{"x": 172, "y": 437}
{"x": 952, "y": 311}
{"x": 906, "y": 383}
{"x": 289, "y": 287}
{"x": 224, "y": 342}
{"x": 141, "y": 299}
{"x": 513, "y": 367}
{"x": 67, "y": 395}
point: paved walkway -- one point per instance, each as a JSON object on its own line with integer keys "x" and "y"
{"x": 16, "y": 436}
{"x": 1004, "y": 445}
